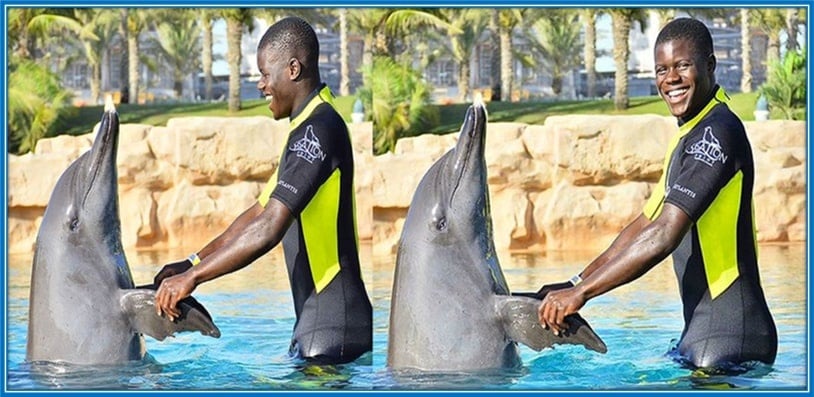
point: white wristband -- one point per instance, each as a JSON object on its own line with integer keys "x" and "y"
{"x": 575, "y": 280}
{"x": 194, "y": 259}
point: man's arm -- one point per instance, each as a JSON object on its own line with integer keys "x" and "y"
{"x": 644, "y": 249}
{"x": 251, "y": 235}
{"x": 622, "y": 241}
{"x": 233, "y": 230}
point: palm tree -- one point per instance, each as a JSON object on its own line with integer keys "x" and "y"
{"x": 371, "y": 23}
{"x": 94, "y": 28}
{"x": 588, "y": 17}
{"x": 137, "y": 20}
{"x": 237, "y": 19}
{"x": 460, "y": 29}
{"x": 785, "y": 88}
{"x": 771, "y": 21}
{"x": 20, "y": 31}
{"x": 791, "y": 29}
{"x": 207, "y": 17}
{"x": 466, "y": 27}
{"x": 35, "y": 101}
{"x": 665, "y": 15}
{"x": 376, "y": 23}
{"x": 344, "y": 72}
{"x": 555, "y": 38}
{"x": 746, "y": 51}
{"x": 398, "y": 98}
{"x": 622, "y": 19}
{"x": 179, "y": 39}
{"x": 507, "y": 20}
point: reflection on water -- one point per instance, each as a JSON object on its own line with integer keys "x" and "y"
{"x": 254, "y": 311}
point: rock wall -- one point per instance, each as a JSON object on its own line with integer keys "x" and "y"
{"x": 179, "y": 185}
{"x": 576, "y": 181}
{"x": 573, "y": 182}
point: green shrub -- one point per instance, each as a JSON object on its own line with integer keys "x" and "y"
{"x": 36, "y": 103}
{"x": 785, "y": 89}
{"x": 398, "y": 102}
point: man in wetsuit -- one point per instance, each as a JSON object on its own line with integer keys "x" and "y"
{"x": 700, "y": 211}
{"x": 308, "y": 205}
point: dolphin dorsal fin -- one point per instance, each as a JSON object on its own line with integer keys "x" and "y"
{"x": 139, "y": 306}
{"x": 519, "y": 317}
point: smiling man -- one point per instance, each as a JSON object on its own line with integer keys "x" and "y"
{"x": 700, "y": 211}
{"x": 308, "y": 205}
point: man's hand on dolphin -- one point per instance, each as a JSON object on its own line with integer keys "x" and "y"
{"x": 172, "y": 290}
{"x": 559, "y": 304}
{"x": 172, "y": 269}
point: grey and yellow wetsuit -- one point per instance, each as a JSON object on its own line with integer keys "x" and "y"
{"x": 315, "y": 181}
{"x": 709, "y": 174}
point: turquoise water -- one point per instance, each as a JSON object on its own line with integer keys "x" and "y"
{"x": 638, "y": 322}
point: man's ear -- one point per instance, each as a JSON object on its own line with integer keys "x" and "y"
{"x": 712, "y": 63}
{"x": 294, "y": 69}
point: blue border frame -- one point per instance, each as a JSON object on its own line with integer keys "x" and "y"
{"x": 371, "y": 3}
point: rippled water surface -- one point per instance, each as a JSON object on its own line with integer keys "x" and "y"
{"x": 253, "y": 308}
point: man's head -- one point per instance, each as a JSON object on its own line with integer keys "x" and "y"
{"x": 685, "y": 65}
{"x": 288, "y": 60}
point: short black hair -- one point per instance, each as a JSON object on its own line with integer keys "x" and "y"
{"x": 689, "y": 29}
{"x": 293, "y": 37}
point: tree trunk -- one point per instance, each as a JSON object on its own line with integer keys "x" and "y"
{"x": 132, "y": 67}
{"x": 589, "y": 18}
{"x": 206, "y": 56}
{"x": 124, "y": 65}
{"x": 494, "y": 65}
{"x": 23, "y": 42}
{"x": 234, "y": 32}
{"x": 381, "y": 46}
{"x": 556, "y": 84}
{"x": 178, "y": 87}
{"x": 621, "y": 53}
{"x": 791, "y": 29}
{"x": 506, "y": 72}
{"x": 95, "y": 82}
{"x": 344, "y": 71}
{"x": 464, "y": 72}
{"x": 367, "y": 51}
{"x": 773, "y": 52}
{"x": 746, "y": 51}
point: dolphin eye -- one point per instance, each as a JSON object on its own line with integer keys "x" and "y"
{"x": 441, "y": 224}
{"x": 74, "y": 224}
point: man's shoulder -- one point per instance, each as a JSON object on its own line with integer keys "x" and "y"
{"x": 324, "y": 121}
{"x": 326, "y": 113}
{"x": 722, "y": 122}
{"x": 323, "y": 129}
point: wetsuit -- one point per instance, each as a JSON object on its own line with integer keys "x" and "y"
{"x": 315, "y": 181}
{"x": 709, "y": 174}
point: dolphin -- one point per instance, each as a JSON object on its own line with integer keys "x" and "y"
{"x": 83, "y": 306}
{"x": 451, "y": 309}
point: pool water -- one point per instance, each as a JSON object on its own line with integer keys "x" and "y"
{"x": 253, "y": 309}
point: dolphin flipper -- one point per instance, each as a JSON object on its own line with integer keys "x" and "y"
{"x": 139, "y": 304}
{"x": 520, "y": 321}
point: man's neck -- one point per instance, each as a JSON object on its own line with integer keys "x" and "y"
{"x": 709, "y": 96}
{"x": 304, "y": 96}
